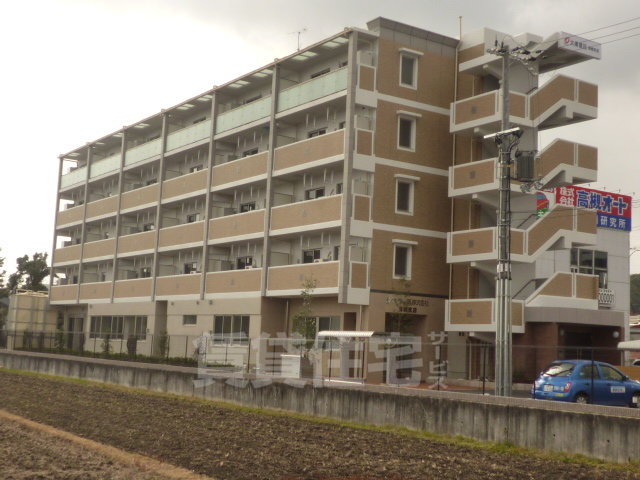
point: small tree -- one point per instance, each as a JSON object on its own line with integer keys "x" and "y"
{"x": 304, "y": 324}
{"x": 106, "y": 345}
{"x": 29, "y": 273}
{"x": 163, "y": 344}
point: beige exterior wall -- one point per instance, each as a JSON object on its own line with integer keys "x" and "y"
{"x": 67, "y": 254}
{"x": 364, "y": 142}
{"x": 305, "y": 151}
{"x": 471, "y": 53}
{"x": 588, "y": 157}
{"x": 63, "y": 293}
{"x": 106, "y": 206}
{"x": 234, "y": 281}
{"x": 560, "y": 285}
{"x": 435, "y": 75}
{"x": 359, "y": 275}
{"x": 588, "y": 93}
{"x": 181, "y": 234}
{"x": 138, "y": 287}
{"x": 431, "y": 209}
{"x": 137, "y": 242}
{"x": 517, "y": 105}
{"x": 366, "y": 77}
{"x": 558, "y": 88}
{"x": 291, "y": 277}
{"x": 240, "y": 169}
{"x": 139, "y": 196}
{"x": 185, "y": 184}
{"x": 309, "y": 212}
{"x": 30, "y": 311}
{"x": 234, "y": 225}
{"x": 93, "y": 291}
{"x": 178, "y": 285}
{"x": 434, "y": 144}
{"x": 517, "y": 242}
{"x": 476, "y": 108}
{"x": 71, "y": 215}
{"x": 100, "y": 248}
{"x": 561, "y": 152}
{"x": 472, "y": 243}
{"x": 474, "y": 174}
{"x": 361, "y": 206}
{"x": 587, "y": 221}
{"x": 557, "y": 219}
{"x": 472, "y": 313}
{"x": 587, "y": 286}
{"x": 429, "y": 272}
{"x": 517, "y": 314}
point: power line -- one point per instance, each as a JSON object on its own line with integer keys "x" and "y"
{"x": 618, "y": 39}
{"x": 608, "y": 26}
{"x": 615, "y": 33}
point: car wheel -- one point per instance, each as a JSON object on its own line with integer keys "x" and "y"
{"x": 582, "y": 398}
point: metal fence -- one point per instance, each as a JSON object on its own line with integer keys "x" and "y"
{"x": 467, "y": 365}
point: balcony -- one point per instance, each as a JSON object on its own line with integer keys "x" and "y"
{"x": 70, "y": 216}
{"x": 564, "y": 163}
{"x": 569, "y": 225}
{"x": 67, "y": 254}
{"x": 561, "y": 101}
{"x": 366, "y": 77}
{"x": 364, "y": 142}
{"x": 135, "y": 288}
{"x": 104, "y": 166}
{"x": 288, "y": 279}
{"x": 178, "y": 285}
{"x": 362, "y": 207}
{"x": 323, "y": 212}
{"x": 183, "y": 235}
{"x": 139, "y": 197}
{"x": 567, "y": 290}
{"x": 310, "y": 150}
{"x": 478, "y": 315}
{"x": 243, "y": 115}
{"x": 241, "y": 226}
{"x": 95, "y": 291}
{"x": 64, "y": 294}
{"x": 359, "y": 277}
{"x": 74, "y": 177}
{"x": 242, "y": 170}
{"x": 191, "y": 134}
{"x": 137, "y": 242}
{"x": 102, "y": 208}
{"x": 234, "y": 281}
{"x": 99, "y": 250}
{"x": 313, "y": 89}
{"x": 143, "y": 152}
{"x": 185, "y": 185}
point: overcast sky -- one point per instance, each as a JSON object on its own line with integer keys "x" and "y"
{"x": 75, "y": 70}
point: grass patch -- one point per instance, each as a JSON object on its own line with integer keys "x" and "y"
{"x": 501, "y": 448}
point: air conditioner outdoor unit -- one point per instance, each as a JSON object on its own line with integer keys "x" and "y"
{"x": 248, "y": 267}
{"x": 317, "y": 260}
{"x": 194, "y": 272}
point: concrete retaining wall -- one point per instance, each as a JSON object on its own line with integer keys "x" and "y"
{"x": 608, "y": 433}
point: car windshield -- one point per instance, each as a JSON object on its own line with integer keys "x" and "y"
{"x": 559, "y": 370}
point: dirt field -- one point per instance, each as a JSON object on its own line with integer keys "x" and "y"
{"x": 234, "y": 444}
{"x": 30, "y": 454}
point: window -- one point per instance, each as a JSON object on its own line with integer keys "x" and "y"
{"x": 609, "y": 373}
{"x": 191, "y": 267}
{"x": 247, "y": 207}
{"x": 309, "y": 256}
{"x": 592, "y": 262}
{"x": 251, "y": 151}
{"x": 402, "y": 261}
{"x": 408, "y": 71}
{"x": 314, "y": 193}
{"x": 106, "y": 326}
{"x": 189, "y": 319}
{"x": 244, "y": 262}
{"x": 322, "y": 324}
{"x": 317, "y": 133}
{"x": 406, "y": 133}
{"x": 193, "y": 217}
{"x": 196, "y": 168}
{"x": 324, "y": 71}
{"x": 229, "y": 329}
{"x": 404, "y": 196}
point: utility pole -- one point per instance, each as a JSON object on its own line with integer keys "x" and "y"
{"x": 507, "y": 140}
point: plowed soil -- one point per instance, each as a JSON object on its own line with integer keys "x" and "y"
{"x": 234, "y": 444}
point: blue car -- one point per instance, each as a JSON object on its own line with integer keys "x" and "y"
{"x": 584, "y": 381}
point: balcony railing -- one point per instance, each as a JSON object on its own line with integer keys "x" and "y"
{"x": 71, "y": 215}
{"x": 313, "y": 89}
{"x": 99, "y": 249}
{"x": 478, "y": 315}
{"x": 67, "y": 254}
{"x": 238, "y": 225}
{"x": 185, "y": 184}
{"x": 295, "y": 215}
{"x": 106, "y": 165}
{"x": 234, "y": 281}
{"x": 137, "y": 242}
{"x": 75, "y": 176}
{"x": 567, "y": 290}
{"x": 309, "y": 150}
{"x": 184, "y": 234}
{"x": 143, "y": 151}
{"x": 102, "y": 207}
{"x": 139, "y": 197}
{"x": 573, "y": 225}
{"x": 178, "y": 285}
{"x": 64, "y": 293}
{"x": 95, "y": 291}
{"x": 191, "y": 134}
{"x": 134, "y": 288}
{"x": 244, "y": 114}
{"x": 240, "y": 170}
{"x": 289, "y": 278}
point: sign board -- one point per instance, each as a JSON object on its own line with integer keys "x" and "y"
{"x": 573, "y": 43}
{"x": 614, "y": 209}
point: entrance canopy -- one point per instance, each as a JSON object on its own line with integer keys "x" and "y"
{"x": 629, "y": 345}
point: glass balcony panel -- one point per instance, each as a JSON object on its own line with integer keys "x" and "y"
{"x": 313, "y": 89}
{"x": 75, "y": 176}
{"x": 245, "y": 114}
{"x": 142, "y": 152}
{"x": 190, "y": 134}
{"x": 106, "y": 165}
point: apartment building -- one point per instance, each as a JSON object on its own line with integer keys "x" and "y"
{"x": 357, "y": 163}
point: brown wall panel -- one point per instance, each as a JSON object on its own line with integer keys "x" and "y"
{"x": 71, "y": 215}
{"x": 137, "y": 242}
{"x": 139, "y": 196}
{"x": 185, "y": 184}
{"x": 364, "y": 142}
{"x": 471, "y": 53}
{"x": 239, "y": 169}
{"x": 178, "y": 285}
{"x": 316, "y": 148}
{"x": 67, "y": 254}
{"x": 64, "y": 293}
{"x": 560, "y": 285}
{"x": 101, "y": 248}
{"x": 324, "y": 209}
{"x": 474, "y": 174}
{"x": 557, "y": 219}
{"x": 234, "y": 225}
{"x": 473, "y": 313}
{"x": 138, "y": 287}
{"x": 472, "y": 243}
{"x": 292, "y": 277}
{"x": 359, "y": 275}
{"x": 476, "y": 108}
{"x": 561, "y": 151}
{"x": 558, "y": 88}
{"x": 588, "y": 157}
{"x": 234, "y": 281}
{"x": 587, "y": 221}
{"x": 101, "y": 207}
{"x": 361, "y": 205}
{"x": 588, "y": 93}
{"x": 587, "y": 287}
{"x": 187, "y": 233}
{"x": 366, "y": 78}
{"x": 94, "y": 291}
